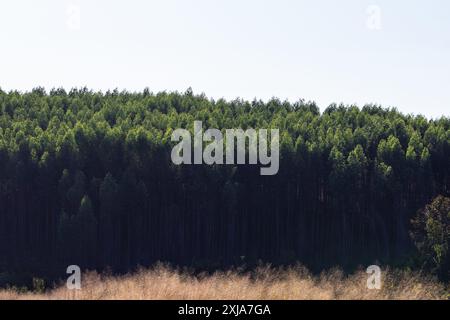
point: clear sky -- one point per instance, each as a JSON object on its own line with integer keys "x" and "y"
{"x": 390, "y": 52}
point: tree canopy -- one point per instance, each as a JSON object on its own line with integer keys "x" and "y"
{"x": 86, "y": 178}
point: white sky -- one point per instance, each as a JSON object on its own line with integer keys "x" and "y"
{"x": 321, "y": 50}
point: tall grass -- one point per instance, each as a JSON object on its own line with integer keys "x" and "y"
{"x": 265, "y": 283}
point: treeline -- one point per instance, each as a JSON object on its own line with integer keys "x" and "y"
{"x": 86, "y": 178}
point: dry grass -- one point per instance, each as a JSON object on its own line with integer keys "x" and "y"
{"x": 161, "y": 283}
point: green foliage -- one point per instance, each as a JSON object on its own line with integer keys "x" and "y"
{"x": 86, "y": 178}
{"x": 431, "y": 234}
{"x": 38, "y": 285}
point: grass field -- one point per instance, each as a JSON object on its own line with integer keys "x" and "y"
{"x": 264, "y": 283}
